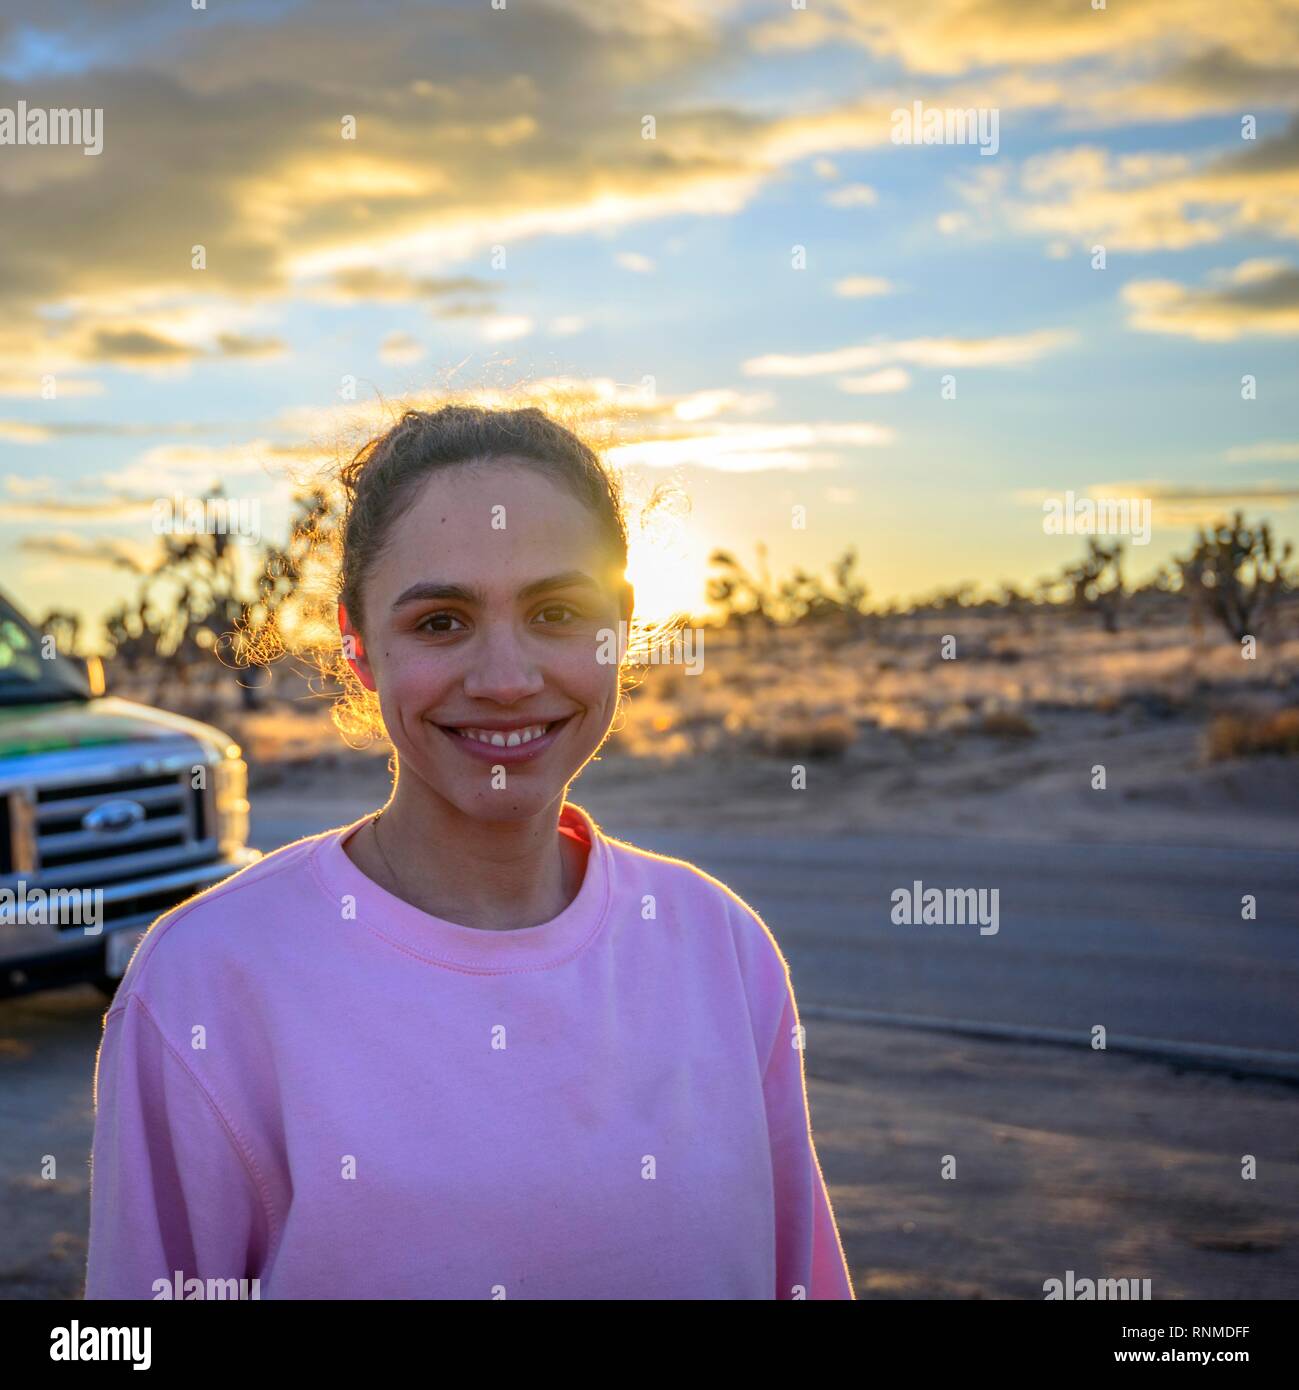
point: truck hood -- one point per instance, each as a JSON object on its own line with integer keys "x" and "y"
{"x": 68, "y": 724}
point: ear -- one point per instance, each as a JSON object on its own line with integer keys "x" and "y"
{"x": 354, "y": 649}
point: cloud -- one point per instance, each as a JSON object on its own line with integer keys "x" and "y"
{"x": 377, "y": 284}
{"x": 1216, "y": 78}
{"x": 1257, "y": 297}
{"x": 633, "y": 260}
{"x": 1174, "y": 504}
{"x": 127, "y": 494}
{"x": 852, "y": 195}
{"x": 952, "y": 223}
{"x": 20, "y": 432}
{"x": 1006, "y": 351}
{"x": 135, "y": 345}
{"x": 630, "y": 425}
{"x": 732, "y": 448}
{"x": 135, "y": 330}
{"x": 707, "y": 405}
{"x": 492, "y": 128}
{"x": 15, "y": 382}
{"x": 1154, "y": 59}
{"x": 1269, "y": 451}
{"x": 507, "y": 327}
{"x": 1180, "y": 504}
{"x": 400, "y": 349}
{"x": 240, "y": 345}
{"x": 877, "y": 383}
{"x": 1011, "y": 350}
{"x": 44, "y": 499}
{"x": 43, "y": 431}
{"x": 187, "y": 467}
{"x": 115, "y": 552}
{"x": 862, "y": 286}
{"x": 143, "y": 347}
{"x": 1154, "y": 200}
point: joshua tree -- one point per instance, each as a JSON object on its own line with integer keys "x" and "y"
{"x": 802, "y": 598}
{"x": 1235, "y": 574}
{"x": 806, "y": 598}
{"x": 1097, "y": 582}
{"x": 184, "y": 605}
{"x": 65, "y": 628}
{"x": 744, "y": 598}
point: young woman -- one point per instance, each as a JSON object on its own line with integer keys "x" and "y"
{"x": 469, "y": 1046}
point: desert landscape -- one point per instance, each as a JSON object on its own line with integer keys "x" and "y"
{"x": 1198, "y": 743}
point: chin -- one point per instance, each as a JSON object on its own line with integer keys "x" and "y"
{"x": 509, "y": 804}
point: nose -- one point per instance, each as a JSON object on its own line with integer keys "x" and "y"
{"x": 501, "y": 669}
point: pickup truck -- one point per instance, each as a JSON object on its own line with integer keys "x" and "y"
{"x": 103, "y": 802}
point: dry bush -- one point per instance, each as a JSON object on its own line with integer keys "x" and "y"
{"x": 821, "y": 736}
{"x": 1005, "y": 723}
{"x": 1247, "y": 735}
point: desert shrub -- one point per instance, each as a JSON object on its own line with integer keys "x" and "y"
{"x": 1248, "y": 735}
{"x": 1237, "y": 574}
{"x": 1006, "y": 723}
{"x": 823, "y": 736}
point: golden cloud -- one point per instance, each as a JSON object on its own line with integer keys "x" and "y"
{"x": 1009, "y": 350}
{"x": 1258, "y": 296}
{"x": 1195, "y": 61}
{"x": 115, "y": 552}
{"x": 1086, "y": 196}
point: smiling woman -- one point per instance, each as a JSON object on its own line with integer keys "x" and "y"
{"x": 483, "y": 559}
{"x": 469, "y": 1046}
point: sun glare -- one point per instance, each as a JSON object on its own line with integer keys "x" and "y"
{"x": 668, "y": 579}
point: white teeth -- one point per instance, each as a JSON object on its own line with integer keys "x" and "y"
{"x": 500, "y": 740}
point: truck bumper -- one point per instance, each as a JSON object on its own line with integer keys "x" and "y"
{"x": 37, "y": 956}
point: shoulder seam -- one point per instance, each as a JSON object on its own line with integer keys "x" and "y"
{"x": 731, "y": 897}
{"x": 243, "y": 1151}
{"x": 214, "y": 893}
{"x": 765, "y": 945}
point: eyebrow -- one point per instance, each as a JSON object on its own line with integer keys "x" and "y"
{"x": 429, "y": 589}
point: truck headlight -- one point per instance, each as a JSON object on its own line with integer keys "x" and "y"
{"x": 231, "y": 785}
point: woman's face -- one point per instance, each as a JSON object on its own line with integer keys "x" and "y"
{"x": 492, "y": 614}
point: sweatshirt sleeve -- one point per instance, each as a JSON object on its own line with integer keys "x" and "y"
{"x": 170, "y": 1187}
{"x": 810, "y": 1261}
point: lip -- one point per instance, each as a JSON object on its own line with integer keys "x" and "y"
{"x": 490, "y": 753}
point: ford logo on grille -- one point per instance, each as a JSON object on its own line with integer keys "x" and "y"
{"x": 112, "y": 816}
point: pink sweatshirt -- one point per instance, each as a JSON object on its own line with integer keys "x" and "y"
{"x": 305, "y": 1080}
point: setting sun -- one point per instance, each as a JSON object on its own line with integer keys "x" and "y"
{"x": 668, "y": 575}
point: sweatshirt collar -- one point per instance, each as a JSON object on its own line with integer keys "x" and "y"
{"x": 473, "y": 949}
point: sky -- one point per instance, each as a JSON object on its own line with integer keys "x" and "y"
{"x": 698, "y": 228}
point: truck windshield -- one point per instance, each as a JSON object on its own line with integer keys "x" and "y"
{"x": 26, "y": 677}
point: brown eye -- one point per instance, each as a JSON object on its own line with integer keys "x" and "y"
{"x": 560, "y": 608}
{"x": 424, "y": 623}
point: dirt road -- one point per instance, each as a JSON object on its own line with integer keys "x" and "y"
{"x": 1104, "y": 1165}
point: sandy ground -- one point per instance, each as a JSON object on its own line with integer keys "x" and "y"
{"x": 1064, "y": 1160}
{"x": 1158, "y": 788}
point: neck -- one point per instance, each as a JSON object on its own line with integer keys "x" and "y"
{"x": 493, "y": 875}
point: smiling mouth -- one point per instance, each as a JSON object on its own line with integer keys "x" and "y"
{"x": 498, "y": 738}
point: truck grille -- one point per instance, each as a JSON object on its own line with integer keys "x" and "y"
{"x": 59, "y": 810}
{"x": 172, "y": 827}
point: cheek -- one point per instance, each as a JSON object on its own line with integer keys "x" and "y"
{"x": 593, "y": 683}
{"x": 411, "y": 681}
